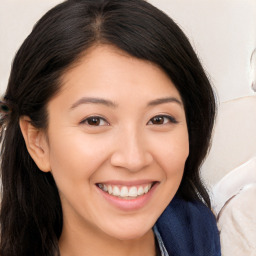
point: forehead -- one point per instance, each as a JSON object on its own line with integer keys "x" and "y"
{"x": 107, "y": 71}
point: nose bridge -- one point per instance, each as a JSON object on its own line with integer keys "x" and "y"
{"x": 131, "y": 151}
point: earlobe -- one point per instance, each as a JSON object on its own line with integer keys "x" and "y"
{"x": 36, "y": 143}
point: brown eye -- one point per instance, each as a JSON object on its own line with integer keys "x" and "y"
{"x": 95, "y": 121}
{"x": 159, "y": 120}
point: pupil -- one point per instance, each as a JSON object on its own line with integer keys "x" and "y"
{"x": 158, "y": 120}
{"x": 94, "y": 121}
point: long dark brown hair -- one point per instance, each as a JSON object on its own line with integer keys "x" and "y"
{"x": 31, "y": 214}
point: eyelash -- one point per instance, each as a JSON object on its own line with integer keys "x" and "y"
{"x": 99, "y": 119}
{"x": 171, "y": 119}
{"x": 88, "y": 119}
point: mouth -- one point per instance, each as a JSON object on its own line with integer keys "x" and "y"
{"x": 126, "y": 192}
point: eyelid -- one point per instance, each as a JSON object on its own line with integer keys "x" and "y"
{"x": 169, "y": 117}
{"x": 96, "y": 117}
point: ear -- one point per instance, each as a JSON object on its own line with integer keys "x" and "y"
{"x": 36, "y": 142}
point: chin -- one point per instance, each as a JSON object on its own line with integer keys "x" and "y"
{"x": 130, "y": 235}
{"x": 132, "y": 231}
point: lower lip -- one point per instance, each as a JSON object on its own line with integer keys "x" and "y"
{"x": 129, "y": 204}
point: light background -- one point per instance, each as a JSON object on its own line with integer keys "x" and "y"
{"x": 223, "y": 33}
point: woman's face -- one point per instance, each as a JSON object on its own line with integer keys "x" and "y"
{"x": 117, "y": 143}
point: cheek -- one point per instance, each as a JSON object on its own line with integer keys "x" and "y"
{"x": 172, "y": 152}
{"x": 74, "y": 157}
{"x": 171, "y": 155}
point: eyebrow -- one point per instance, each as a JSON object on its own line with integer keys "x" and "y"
{"x": 88, "y": 100}
{"x": 164, "y": 100}
{"x": 108, "y": 103}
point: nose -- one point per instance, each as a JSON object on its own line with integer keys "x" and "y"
{"x": 131, "y": 152}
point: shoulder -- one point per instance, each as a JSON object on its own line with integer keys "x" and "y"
{"x": 188, "y": 228}
{"x": 236, "y": 223}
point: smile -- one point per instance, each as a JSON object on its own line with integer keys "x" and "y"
{"x": 126, "y": 192}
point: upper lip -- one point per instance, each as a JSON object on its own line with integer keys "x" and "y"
{"x": 127, "y": 183}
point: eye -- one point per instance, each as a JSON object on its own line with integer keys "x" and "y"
{"x": 162, "y": 119}
{"x": 95, "y": 121}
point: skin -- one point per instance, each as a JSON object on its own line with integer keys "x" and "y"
{"x": 127, "y": 144}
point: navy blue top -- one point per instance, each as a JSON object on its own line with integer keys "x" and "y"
{"x": 187, "y": 229}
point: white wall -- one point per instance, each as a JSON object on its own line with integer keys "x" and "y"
{"x": 223, "y": 33}
{"x": 17, "y": 17}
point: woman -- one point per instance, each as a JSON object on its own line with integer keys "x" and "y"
{"x": 107, "y": 118}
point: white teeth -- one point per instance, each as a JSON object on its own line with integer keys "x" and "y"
{"x": 146, "y": 189}
{"x": 124, "y": 191}
{"x": 109, "y": 189}
{"x": 133, "y": 192}
{"x": 116, "y": 191}
{"x": 140, "y": 191}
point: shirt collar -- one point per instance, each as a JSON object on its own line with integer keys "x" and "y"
{"x": 160, "y": 242}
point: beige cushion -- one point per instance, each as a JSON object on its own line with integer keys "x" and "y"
{"x": 234, "y": 203}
